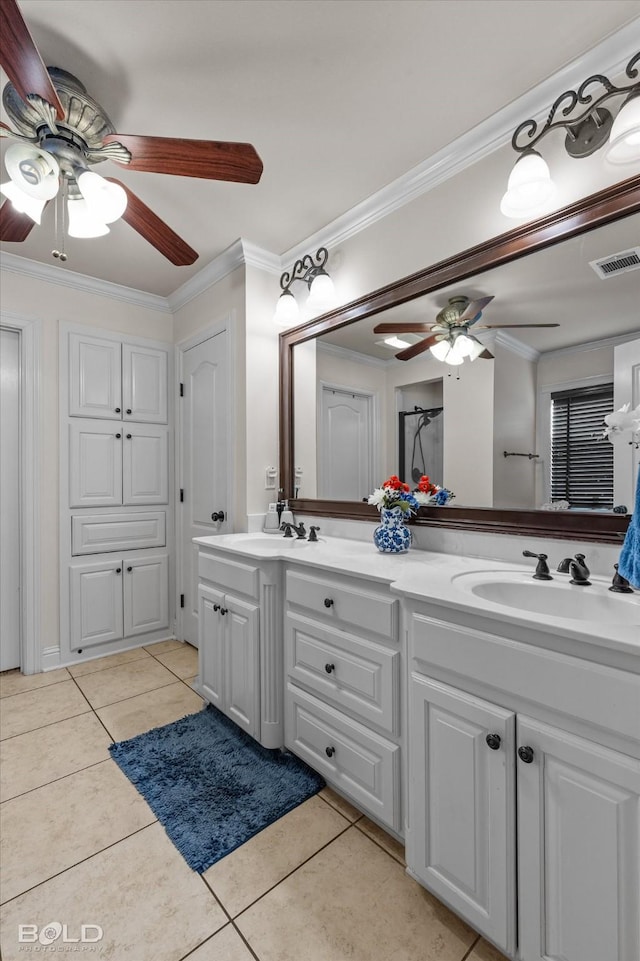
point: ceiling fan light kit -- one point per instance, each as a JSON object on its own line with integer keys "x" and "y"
{"x": 63, "y": 132}
{"x": 311, "y": 271}
{"x": 530, "y": 188}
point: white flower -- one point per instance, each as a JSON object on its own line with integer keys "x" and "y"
{"x": 423, "y": 498}
{"x": 378, "y": 497}
{"x": 623, "y": 419}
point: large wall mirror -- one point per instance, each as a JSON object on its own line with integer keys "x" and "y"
{"x": 352, "y": 413}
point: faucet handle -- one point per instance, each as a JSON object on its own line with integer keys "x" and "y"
{"x": 582, "y": 562}
{"x": 619, "y": 584}
{"x": 313, "y": 534}
{"x": 542, "y": 568}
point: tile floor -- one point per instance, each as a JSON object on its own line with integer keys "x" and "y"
{"x": 81, "y": 846}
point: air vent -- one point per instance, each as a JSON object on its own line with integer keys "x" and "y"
{"x": 617, "y": 263}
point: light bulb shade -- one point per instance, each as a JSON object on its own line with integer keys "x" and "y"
{"x": 463, "y": 345}
{"x": 82, "y": 222}
{"x": 34, "y": 171}
{"x": 287, "y": 313}
{"x": 476, "y": 348}
{"x": 23, "y": 202}
{"x": 455, "y": 355}
{"x": 530, "y": 187}
{"x": 106, "y": 201}
{"x": 624, "y": 139}
{"x": 440, "y": 350}
{"x": 322, "y": 295}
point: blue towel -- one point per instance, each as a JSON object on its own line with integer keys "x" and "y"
{"x": 629, "y": 563}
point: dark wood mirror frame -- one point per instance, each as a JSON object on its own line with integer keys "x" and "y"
{"x": 612, "y": 203}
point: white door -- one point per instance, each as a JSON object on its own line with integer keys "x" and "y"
{"x": 462, "y": 805}
{"x": 95, "y": 464}
{"x": 211, "y": 645}
{"x": 96, "y": 603}
{"x": 204, "y": 462}
{"x": 146, "y": 594}
{"x": 144, "y": 384}
{"x": 9, "y": 499}
{"x": 241, "y": 654}
{"x": 145, "y": 464}
{"x": 95, "y": 382}
{"x": 626, "y": 390}
{"x": 579, "y": 849}
{"x": 346, "y": 445}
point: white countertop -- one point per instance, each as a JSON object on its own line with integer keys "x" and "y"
{"x": 434, "y": 578}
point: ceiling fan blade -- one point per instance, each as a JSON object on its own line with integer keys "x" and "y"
{"x": 208, "y": 159}
{"x": 473, "y": 309}
{"x": 485, "y": 355}
{"x": 21, "y": 60}
{"x": 512, "y": 326}
{"x": 14, "y": 226}
{"x": 410, "y": 328}
{"x": 416, "y": 349}
{"x": 155, "y": 231}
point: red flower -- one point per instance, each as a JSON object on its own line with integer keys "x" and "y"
{"x": 425, "y": 485}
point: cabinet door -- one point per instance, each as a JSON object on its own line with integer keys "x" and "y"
{"x": 211, "y": 629}
{"x": 145, "y": 465}
{"x": 94, "y": 377}
{"x": 96, "y": 603}
{"x": 95, "y": 464}
{"x": 579, "y": 850}
{"x": 146, "y": 602}
{"x": 242, "y": 664}
{"x": 461, "y": 842}
{"x": 144, "y": 384}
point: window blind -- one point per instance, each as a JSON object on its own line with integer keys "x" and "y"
{"x": 581, "y": 458}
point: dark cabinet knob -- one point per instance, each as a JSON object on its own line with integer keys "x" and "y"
{"x": 217, "y": 516}
{"x": 329, "y": 751}
{"x": 223, "y": 610}
{"x": 525, "y": 754}
{"x": 128, "y": 436}
{"x": 494, "y": 741}
{"x": 329, "y": 668}
{"x": 128, "y": 410}
{"x": 118, "y": 570}
{"x": 117, "y": 410}
{"x": 328, "y": 602}
{"x": 216, "y": 607}
{"x": 129, "y": 569}
{"x": 118, "y": 436}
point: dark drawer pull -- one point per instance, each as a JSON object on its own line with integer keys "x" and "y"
{"x": 525, "y": 754}
{"x": 128, "y": 410}
{"x": 223, "y": 610}
{"x": 328, "y": 602}
{"x": 117, "y": 410}
{"x": 128, "y": 436}
{"x": 216, "y": 607}
{"x": 329, "y": 668}
{"x": 129, "y": 569}
{"x": 118, "y": 436}
{"x": 118, "y": 570}
{"x": 329, "y": 751}
{"x": 494, "y": 742}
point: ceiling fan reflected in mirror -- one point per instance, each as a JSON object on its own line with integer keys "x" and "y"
{"x": 450, "y": 339}
{"x": 62, "y": 133}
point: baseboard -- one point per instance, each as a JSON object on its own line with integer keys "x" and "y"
{"x": 52, "y": 657}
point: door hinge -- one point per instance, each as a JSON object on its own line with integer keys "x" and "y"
{"x": 181, "y": 495}
{"x": 182, "y": 600}
{"x": 182, "y": 390}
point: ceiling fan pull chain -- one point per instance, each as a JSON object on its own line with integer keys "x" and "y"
{"x": 60, "y": 203}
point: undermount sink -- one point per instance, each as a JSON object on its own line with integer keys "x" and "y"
{"x": 556, "y": 598}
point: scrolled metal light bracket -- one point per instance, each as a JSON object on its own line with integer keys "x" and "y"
{"x": 305, "y": 270}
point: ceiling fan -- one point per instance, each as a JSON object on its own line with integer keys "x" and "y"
{"x": 61, "y": 133}
{"x": 449, "y": 339}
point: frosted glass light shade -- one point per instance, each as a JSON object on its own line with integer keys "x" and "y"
{"x": 82, "y": 222}
{"x": 463, "y": 345}
{"x": 287, "y": 313}
{"x": 624, "y": 139}
{"x": 23, "y": 202}
{"x": 35, "y": 172}
{"x": 322, "y": 295}
{"x": 441, "y": 349}
{"x": 106, "y": 201}
{"x": 476, "y": 348}
{"x": 530, "y": 187}
{"x": 454, "y": 357}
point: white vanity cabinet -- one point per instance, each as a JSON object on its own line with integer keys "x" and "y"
{"x": 343, "y": 661}
{"x": 116, "y": 380}
{"x": 240, "y": 644}
{"x": 525, "y": 757}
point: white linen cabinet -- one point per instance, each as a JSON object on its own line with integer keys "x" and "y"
{"x": 115, "y": 486}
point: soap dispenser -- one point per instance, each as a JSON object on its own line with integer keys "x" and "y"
{"x": 272, "y": 520}
{"x": 286, "y": 516}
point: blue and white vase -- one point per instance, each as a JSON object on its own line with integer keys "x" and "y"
{"x": 392, "y": 536}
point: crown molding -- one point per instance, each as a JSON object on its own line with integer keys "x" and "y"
{"x": 483, "y": 139}
{"x": 516, "y": 346}
{"x": 239, "y": 254}
{"x": 593, "y": 345}
{"x": 255, "y": 256}
{"x": 345, "y": 353}
{"x": 63, "y": 277}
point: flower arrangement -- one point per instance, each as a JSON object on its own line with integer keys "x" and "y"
{"x": 428, "y": 494}
{"x": 395, "y": 493}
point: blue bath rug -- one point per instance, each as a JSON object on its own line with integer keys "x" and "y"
{"x": 211, "y": 786}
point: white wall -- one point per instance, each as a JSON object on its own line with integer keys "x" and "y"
{"x": 514, "y": 430}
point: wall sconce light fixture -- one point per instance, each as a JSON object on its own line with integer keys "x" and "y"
{"x": 530, "y": 186}
{"x": 311, "y": 271}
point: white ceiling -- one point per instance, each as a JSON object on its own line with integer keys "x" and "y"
{"x": 339, "y": 98}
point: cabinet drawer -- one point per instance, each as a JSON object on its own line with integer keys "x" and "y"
{"x": 228, "y": 574}
{"x": 355, "y": 674}
{"x": 364, "y": 609}
{"x": 361, "y": 764}
{"x": 603, "y": 696}
{"x": 101, "y": 533}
